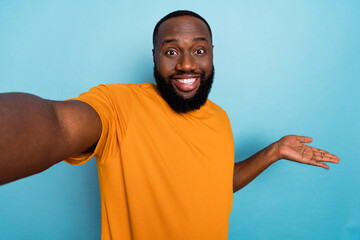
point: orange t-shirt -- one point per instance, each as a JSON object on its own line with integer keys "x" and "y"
{"x": 162, "y": 175}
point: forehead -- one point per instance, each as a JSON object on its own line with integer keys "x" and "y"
{"x": 182, "y": 28}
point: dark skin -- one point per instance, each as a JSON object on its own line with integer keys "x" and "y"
{"x": 183, "y": 45}
{"x": 37, "y": 133}
{"x": 183, "y": 50}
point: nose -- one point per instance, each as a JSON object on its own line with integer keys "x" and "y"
{"x": 186, "y": 63}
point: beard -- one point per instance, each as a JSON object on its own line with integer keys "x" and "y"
{"x": 177, "y": 102}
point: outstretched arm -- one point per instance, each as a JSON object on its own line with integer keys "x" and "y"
{"x": 289, "y": 147}
{"x": 36, "y": 133}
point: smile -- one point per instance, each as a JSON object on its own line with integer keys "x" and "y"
{"x": 186, "y": 84}
{"x": 188, "y": 81}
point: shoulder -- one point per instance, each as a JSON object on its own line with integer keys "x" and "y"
{"x": 141, "y": 88}
{"x": 119, "y": 90}
{"x": 216, "y": 108}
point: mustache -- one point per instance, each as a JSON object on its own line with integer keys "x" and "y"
{"x": 201, "y": 74}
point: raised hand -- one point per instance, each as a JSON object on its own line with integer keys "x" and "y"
{"x": 292, "y": 148}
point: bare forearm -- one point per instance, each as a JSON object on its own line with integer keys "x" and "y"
{"x": 28, "y": 136}
{"x": 290, "y": 147}
{"x": 249, "y": 169}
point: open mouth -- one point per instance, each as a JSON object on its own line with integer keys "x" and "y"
{"x": 186, "y": 84}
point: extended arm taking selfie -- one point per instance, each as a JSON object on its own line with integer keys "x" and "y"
{"x": 36, "y": 133}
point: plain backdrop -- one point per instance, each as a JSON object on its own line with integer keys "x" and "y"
{"x": 282, "y": 67}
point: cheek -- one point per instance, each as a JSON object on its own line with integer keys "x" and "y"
{"x": 165, "y": 66}
{"x": 206, "y": 66}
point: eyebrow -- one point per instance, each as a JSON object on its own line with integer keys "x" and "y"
{"x": 196, "y": 39}
{"x": 169, "y": 41}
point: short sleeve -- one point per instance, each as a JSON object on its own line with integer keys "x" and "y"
{"x": 112, "y": 102}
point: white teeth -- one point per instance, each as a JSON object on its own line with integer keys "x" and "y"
{"x": 186, "y": 80}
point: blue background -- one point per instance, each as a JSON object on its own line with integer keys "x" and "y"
{"x": 282, "y": 67}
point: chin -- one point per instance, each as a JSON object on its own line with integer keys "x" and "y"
{"x": 180, "y": 101}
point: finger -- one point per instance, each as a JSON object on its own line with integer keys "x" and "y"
{"x": 320, "y": 164}
{"x": 323, "y": 158}
{"x": 325, "y": 154}
{"x": 320, "y": 152}
{"x": 315, "y": 163}
{"x": 304, "y": 139}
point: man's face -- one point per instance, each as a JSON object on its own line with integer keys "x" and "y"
{"x": 183, "y": 62}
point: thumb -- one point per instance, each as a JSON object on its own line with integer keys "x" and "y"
{"x": 304, "y": 139}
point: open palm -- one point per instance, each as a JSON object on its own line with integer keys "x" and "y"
{"x": 293, "y": 148}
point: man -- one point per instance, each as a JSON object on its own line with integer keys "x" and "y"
{"x": 165, "y": 153}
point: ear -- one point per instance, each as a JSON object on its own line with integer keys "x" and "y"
{"x": 153, "y": 53}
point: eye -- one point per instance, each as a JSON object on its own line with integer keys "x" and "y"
{"x": 170, "y": 52}
{"x": 199, "y": 51}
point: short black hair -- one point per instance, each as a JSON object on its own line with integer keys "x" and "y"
{"x": 178, "y": 13}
